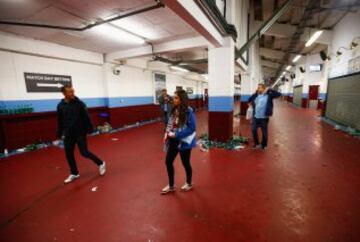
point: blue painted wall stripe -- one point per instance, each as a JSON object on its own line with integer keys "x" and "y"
{"x": 322, "y": 96}
{"x": 114, "y": 102}
{"x": 221, "y": 104}
{"x": 195, "y": 96}
{"x": 305, "y": 95}
{"x": 244, "y": 97}
{"x": 47, "y": 105}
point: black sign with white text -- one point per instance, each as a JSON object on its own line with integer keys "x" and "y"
{"x": 36, "y": 82}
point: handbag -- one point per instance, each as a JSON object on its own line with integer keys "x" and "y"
{"x": 249, "y": 113}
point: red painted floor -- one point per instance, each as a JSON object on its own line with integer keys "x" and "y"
{"x": 305, "y": 187}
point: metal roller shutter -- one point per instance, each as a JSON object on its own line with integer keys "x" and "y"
{"x": 298, "y": 95}
{"x": 343, "y": 100}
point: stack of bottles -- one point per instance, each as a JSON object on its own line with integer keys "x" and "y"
{"x": 19, "y": 109}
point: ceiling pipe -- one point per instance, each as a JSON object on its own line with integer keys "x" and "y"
{"x": 179, "y": 63}
{"x": 48, "y": 26}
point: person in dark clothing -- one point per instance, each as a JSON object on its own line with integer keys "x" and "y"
{"x": 262, "y": 103}
{"x": 74, "y": 124}
{"x": 180, "y": 137}
{"x": 165, "y": 102}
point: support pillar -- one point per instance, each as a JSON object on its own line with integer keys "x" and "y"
{"x": 250, "y": 79}
{"x": 245, "y": 92}
{"x": 221, "y": 91}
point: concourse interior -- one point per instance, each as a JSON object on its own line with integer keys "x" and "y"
{"x": 213, "y": 72}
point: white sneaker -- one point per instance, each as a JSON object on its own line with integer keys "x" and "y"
{"x": 71, "y": 178}
{"x": 167, "y": 189}
{"x": 186, "y": 187}
{"x": 102, "y": 169}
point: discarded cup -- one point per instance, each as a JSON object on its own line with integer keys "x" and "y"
{"x": 203, "y": 149}
{"x": 56, "y": 142}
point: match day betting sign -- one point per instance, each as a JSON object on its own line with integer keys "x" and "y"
{"x": 36, "y": 82}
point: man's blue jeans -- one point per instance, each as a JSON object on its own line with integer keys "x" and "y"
{"x": 166, "y": 118}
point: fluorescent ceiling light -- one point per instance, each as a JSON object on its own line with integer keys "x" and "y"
{"x": 205, "y": 76}
{"x": 296, "y": 58}
{"x": 313, "y": 38}
{"x": 138, "y": 28}
{"x": 116, "y": 34}
{"x": 288, "y": 68}
{"x": 176, "y": 68}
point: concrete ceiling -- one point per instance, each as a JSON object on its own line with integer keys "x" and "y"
{"x": 158, "y": 26}
{"x": 155, "y": 26}
{"x": 325, "y": 16}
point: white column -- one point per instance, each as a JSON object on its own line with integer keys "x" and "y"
{"x": 221, "y": 90}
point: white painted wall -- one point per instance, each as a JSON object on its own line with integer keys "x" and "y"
{"x": 253, "y": 76}
{"x": 287, "y": 87}
{"x": 221, "y": 70}
{"x": 132, "y": 82}
{"x": 87, "y": 78}
{"x": 310, "y": 78}
{"x": 93, "y": 79}
{"x": 175, "y": 80}
{"x": 344, "y": 32}
{"x": 241, "y": 21}
{"x": 137, "y": 80}
{"x": 314, "y": 78}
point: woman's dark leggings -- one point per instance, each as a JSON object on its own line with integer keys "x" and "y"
{"x": 185, "y": 158}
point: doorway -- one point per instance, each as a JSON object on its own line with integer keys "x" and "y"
{"x": 313, "y": 96}
{"x": 298, "y": 95}
{"x": 206, "y": 97}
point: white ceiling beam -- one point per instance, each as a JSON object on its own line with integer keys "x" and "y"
{"x": 287, "y": 30}
{"x": 278, "y": 30}
{"x": 14, "y": 43}
{"x": 175, "y": 45}
{"x": 270, "y": 53}
{"x": 243, "y": 67}
{"x": 274, "y": 54}
{"x": 193, "y": 15}
{"x": 270, "y": 64}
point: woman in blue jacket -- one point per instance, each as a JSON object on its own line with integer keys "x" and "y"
{"x": 180, "y": 137}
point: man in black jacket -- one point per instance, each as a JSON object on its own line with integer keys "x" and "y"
{"x": 74, "y": 124}
{"x": 262, "y": 104}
